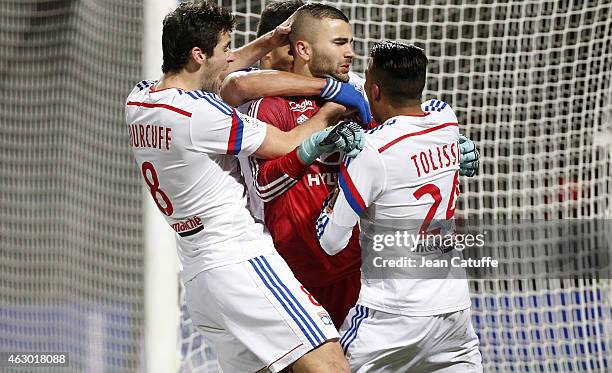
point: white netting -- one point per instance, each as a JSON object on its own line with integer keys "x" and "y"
{"x": 531, "y": 82}
{"x": 71, "y": 249}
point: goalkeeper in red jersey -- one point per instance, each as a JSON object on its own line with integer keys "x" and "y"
{"x": 321, "y": 45}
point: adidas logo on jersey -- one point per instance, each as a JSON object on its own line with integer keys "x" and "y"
{"x": 301, "y": 119}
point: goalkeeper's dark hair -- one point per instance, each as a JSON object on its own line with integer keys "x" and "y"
{"x": 192, "y": 25}
{"x": 302, "y": 27}
{"x": 275, "y": 13}
{"x": 399, "y": 69}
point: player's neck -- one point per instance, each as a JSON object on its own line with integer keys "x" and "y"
{"x": 412, "y": 109}
{"x": 187, "y": 81}
{"x": 301, "y": 69}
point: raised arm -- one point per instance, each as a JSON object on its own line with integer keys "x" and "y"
{"x": 252, "y": 52}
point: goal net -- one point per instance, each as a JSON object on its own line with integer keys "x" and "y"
{"x": 71, "y": 247}
{"x": 531, "y": 83}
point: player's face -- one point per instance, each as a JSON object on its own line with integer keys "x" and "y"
{"x": 217, "y": 63}
{"x": 332, "y": 50}
{"x": 280, "y": 58}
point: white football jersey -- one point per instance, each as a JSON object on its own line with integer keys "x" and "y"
{"x": 406, "y": 180}
{"x": 186, "y": 144}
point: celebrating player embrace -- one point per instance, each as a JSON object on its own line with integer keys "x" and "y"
{"x": 240, "y": 293}
{"x": 405, "y": 178}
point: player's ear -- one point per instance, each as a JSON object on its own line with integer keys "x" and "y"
{"x": 266, "y": 61}
{"x": 198, "y": 55}
{"x": 376, "y": 92}
{"x": 302, "y": 49}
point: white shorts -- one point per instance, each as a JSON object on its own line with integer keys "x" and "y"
{"x": 256, "y": 314}
{"x": 375, "y": 341}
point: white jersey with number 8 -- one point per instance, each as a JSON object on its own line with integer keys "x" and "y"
{"x": 185, "y": 144}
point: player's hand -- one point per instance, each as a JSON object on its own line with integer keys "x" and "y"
{"x": 346, "y": 136}
{"x": 280, "y": 35}
{"x": 345, "y": 94}
{"x": 469, "y": 160}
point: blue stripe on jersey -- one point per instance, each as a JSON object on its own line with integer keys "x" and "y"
{"x": 435, "y": 105}
{"x": 299, "y": 305}
{"x": 321, "y": 225}
{"x": 381, "y": 126}
{"x": 323, "y": 219}
{"x": 239, "y": 131}
{"x": 217, "y": 105}
{"x": 220, "y": 101}
{"x": 348, "y": 194}
{"x": 347, "y": 161}
{"x": 353, "y": 323}
{"x": 196, "y": 95}
{"x": 277, "y": 294}
{"x": 350, "y": 339}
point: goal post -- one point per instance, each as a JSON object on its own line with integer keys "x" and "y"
{"x": 161, "y": 290}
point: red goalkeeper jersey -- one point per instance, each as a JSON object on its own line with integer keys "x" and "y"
{"x": 293, "y": 197}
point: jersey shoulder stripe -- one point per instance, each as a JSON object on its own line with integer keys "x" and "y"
{"x": 211, "y": 99}
{"x": 434, "y": 105}
{"x": 234, "y": 143}
{"x": 161, "y": 106}
{"x": 418, "y": 133}
{"x": 145, "y": 84}
{"x": 351, "y": 193}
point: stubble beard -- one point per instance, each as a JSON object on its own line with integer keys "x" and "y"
{"x": 323, "y": 67}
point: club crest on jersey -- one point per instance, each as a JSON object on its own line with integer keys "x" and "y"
{"x": 324, "y": 316}
{"x": 301, "y": 106}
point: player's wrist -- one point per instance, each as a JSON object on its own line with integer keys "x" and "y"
{"x": 309, "y": 150}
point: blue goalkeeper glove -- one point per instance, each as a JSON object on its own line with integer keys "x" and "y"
{"x": 347, "y": 95}
{"x": 347, "y": 136}
{"x": 469, "y": 161}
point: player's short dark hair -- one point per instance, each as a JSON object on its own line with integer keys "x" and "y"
{"x": 192, "y": 25}
{"x": 399, "y": 70}
{"x": 275, "y": 13}
{"x": 317, "y": 11}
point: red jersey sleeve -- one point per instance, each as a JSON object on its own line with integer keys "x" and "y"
{"x": 274, "y": 177}
{"x": 274, "y": 111}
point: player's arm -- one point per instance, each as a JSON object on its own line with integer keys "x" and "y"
{"x": 360, "y": 182}
{"x": 217, "y": 128}
{"x": 275, "y": 177}
{"x": 252, "y": 52}
{"x": 278, "y": 143}
{"x": 243, "y": 86}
